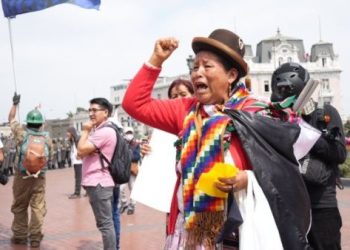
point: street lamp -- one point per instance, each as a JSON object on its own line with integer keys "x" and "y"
{"x": 190, "y": 61}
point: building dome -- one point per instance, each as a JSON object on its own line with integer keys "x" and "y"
{"x": 265, "y": 47}
{"x": 321, "y": 49}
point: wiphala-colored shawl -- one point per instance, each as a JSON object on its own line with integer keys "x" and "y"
{"x": 202, "y": 147}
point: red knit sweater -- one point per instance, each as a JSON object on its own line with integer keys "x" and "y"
{"x": 167, "y": 115}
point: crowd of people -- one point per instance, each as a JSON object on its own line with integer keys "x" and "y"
{"x": 287, "y": 159}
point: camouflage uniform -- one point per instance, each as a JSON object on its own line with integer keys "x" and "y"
{"x": 54, "y": 162}
{"x": 60, "y": 153}
{"x": 68, "y": 147}
{"x": 10, "y": 155}
{"x": 27, "y": 192}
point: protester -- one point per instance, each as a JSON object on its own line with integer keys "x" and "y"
{"x": 204, "y": 129}
{"x": 320, "y": 167}
{"x": 180, "y": 88}
{"x": 28, "y": 187}
{"x": 97, "y": 181}
{"x": 136, "y": 157}
{"x": 73, "y": 137}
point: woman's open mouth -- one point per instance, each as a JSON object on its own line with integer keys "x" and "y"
{"x": 201, "y": 87}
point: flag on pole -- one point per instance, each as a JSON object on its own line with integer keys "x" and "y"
{"x": 12, "y": 8}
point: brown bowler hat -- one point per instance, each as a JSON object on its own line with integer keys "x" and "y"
{"x": 226, "y": 44}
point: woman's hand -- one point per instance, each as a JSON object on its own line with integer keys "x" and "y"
{"x": 163, "y": 48}
{"x": 235, "y": 183}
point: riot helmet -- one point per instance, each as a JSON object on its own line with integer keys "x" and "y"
{"x": 288, "y": 80}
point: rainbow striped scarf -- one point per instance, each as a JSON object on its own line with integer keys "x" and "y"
{"x": 202, "y": 147}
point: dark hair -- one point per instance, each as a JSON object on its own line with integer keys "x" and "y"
{"x": 103, "y": 102}
{"x": 34, "y": 125}
{"x": 74, "y": 133}
{"x": 179, "y": 82}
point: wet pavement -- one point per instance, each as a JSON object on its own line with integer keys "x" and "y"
{"x": 69, "y": 224}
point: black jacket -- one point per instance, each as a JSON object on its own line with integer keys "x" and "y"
{"x": 268, "y": 144}
{"x": 329, "y": 151}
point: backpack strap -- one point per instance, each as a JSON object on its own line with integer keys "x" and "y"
{"x": 103, "y": 159}
{"x": 29, "y": 175}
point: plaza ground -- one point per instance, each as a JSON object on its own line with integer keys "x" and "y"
{"x": 69, "y": 224}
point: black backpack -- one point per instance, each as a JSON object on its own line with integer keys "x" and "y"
{"x": 120, "y": 165}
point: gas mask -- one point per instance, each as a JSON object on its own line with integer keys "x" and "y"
{"x": 288, "y": 80}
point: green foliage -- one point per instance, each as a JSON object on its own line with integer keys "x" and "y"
{"x": 347, "y": 128}
{"x": 345, "y": 168}
{"x": 80, "y": 109}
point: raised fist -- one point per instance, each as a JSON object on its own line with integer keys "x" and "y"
{"x": 15, "y": 99}
{"x": 163, "y": 48}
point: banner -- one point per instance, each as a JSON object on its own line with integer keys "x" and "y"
{"x": 12, "y": 8}
{"x": 155, "y": 182}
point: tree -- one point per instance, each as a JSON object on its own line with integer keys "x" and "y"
{"x": 80, "y": 109}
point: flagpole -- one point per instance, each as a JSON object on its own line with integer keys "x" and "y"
{"x": 13, "y": 63}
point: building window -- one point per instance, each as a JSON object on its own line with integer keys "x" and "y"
{"x": 159, "y": 96}
{"x": 116, "y": 99}
{"x": 266, "y": 86}
{"x": 289, "y": 59}
{"x": 280, "y": 61}
{"x": 325, "y": 84}
{"x": 324, "y": 62}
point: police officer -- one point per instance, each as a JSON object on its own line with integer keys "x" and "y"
{"x": 320, "y": 168}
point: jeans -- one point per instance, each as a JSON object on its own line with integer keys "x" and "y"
{"x": 116, "y": 215}
{"x": 77, "y": 176}
{"x": 123, "y": 195}
{"x": 101, "y": 204}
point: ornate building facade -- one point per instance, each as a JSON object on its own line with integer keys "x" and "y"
{"x": 322, "y": 64}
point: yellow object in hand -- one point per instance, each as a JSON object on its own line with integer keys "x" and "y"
{"x": 206, "y": 182}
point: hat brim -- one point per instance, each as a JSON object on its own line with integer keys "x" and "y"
{"x": 204, "y": 43}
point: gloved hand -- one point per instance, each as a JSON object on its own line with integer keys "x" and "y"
{"x": 15, "y": 99}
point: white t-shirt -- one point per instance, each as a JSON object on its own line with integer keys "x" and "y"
{"x": 74, "y": 155}
{"x": 1, "y": 145}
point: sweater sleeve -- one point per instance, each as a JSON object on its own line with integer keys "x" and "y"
{"x": 167, "y": 115}
{"x": 332, "y": 150}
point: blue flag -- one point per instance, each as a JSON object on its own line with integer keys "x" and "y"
{"x": 12, "y": 8}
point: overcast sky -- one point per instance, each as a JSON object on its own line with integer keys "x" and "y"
{"x": 65, "y": 55}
